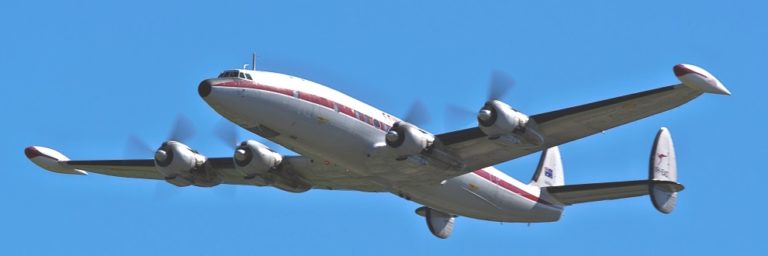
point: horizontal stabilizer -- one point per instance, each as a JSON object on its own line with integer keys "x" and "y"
{"x": 582, "y": 193}
{"x": 661, "y": 184}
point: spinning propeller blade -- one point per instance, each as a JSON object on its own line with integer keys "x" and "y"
{"x": 417, "y": 114}
{"x": 500, "y": 84}
{"x": 226, "y": 132}
{"x": 182, "y": 129}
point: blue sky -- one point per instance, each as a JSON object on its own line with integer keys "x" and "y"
{"x": 82, "y": 76}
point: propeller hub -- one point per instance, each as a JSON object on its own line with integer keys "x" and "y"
{"x": 243, "y": 156}
{"x": 240, "y": 154}
{"x": 484, "y": 115}
{"x": 161, "y": 155}
{"x": 392, "y": 136}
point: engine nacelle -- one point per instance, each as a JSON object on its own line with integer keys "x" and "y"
{"x": 260, "y": 164}
{"x": 498, "y": 120}
{"x": 407, "y": 139}
{"x": 183, "y": 166}
{"x": 253, "y": 159}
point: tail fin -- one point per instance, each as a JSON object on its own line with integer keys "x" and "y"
{"x": 550, "y": 169}
{"x": 663, "y": 167}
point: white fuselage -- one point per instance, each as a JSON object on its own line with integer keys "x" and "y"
{"x": 326, "y": 125}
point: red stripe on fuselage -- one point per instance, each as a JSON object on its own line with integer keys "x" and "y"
{"x": 506, "y": 185}
{"x": 316, "y": 99}
{"x": 241, "y": 84}
{"x": 319, "y": 100}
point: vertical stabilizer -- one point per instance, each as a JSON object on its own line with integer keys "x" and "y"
{"x": 663, "y": 167}
{"x": 550, "y": 169}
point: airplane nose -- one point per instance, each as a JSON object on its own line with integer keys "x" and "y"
{"x": 204, "y": 88}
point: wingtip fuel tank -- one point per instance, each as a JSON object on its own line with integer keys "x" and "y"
{"x": 699, "y": 79}
{"x": 50, "y": 159}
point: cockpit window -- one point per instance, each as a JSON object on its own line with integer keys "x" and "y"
{"x": 235, "y": 74}
{"x": 228, "y": 74}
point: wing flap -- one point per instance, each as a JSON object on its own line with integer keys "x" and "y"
{"x": 582, "y": 193}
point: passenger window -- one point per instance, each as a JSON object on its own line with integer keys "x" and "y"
{"x": 248, "y": 76}
{"x": 242, "y": 75}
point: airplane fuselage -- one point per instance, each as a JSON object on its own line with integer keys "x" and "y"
{"x": 326, "y": 125}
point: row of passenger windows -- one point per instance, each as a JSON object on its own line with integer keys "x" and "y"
{"x": 372, "y": 121}
{"x": 236, "y": 74}
{"x": 342, "y": 109}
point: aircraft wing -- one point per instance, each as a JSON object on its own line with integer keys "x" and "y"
{"x": 561, "y": 126}
{"x": 318, "y": 175}
{"x": 582, "y": 193}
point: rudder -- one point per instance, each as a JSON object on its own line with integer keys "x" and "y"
{"x": 663, "y": 167}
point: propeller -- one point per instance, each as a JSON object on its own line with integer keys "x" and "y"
{"x": 417, "y": 114}
{"x": 135, "y": 147}
{"x": 499, "y": 85}
{"x": 182, "y": 129}
{"x": 226, "y": 132}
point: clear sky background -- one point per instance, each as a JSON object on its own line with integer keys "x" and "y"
{"x": 82, "y": 76}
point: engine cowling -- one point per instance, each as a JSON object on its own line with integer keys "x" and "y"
{"x": 183, "y": 166}
{"x": 407, "y": 139}
{"x": 497, "y": 119}
{"x": 253, "y": 159}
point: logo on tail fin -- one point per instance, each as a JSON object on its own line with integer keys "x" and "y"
{"x": 659, "y": 167}
{"x": 548, "y": 172}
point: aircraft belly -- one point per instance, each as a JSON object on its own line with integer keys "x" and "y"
{"x": 472, "y": 196}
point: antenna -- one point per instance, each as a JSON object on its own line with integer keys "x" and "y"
{"x": 253, "y": 61}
